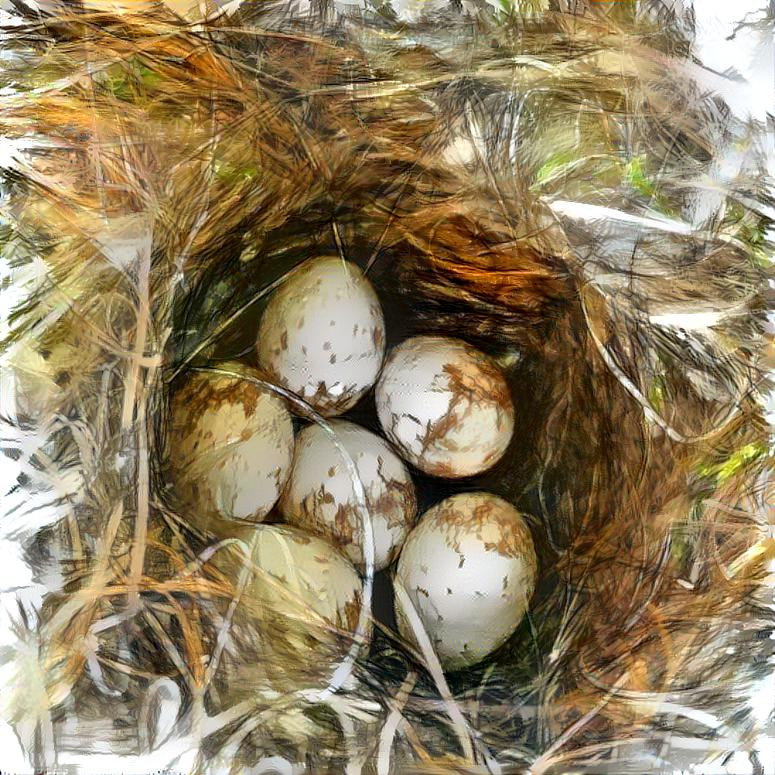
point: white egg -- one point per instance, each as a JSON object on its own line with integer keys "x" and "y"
{"x": 321, "y": 496}
{"x": 445, "y": 405}
{"x": 231, "y": 446}
{"x": 298, "y": 606}
{"x": 322, "y": 335}
{"x": 469, "y": 569}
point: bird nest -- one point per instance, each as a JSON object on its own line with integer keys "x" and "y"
{"x": 546, "y": 185}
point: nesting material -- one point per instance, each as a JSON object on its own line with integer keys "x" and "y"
{"x": 565, "y": 190}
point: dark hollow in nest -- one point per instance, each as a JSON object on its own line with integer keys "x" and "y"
{"x": 446, "y": 157}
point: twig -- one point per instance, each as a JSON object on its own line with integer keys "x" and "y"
{"x": 390, "y": 727}
{"x": 546, "y": 760}
{"x": 434, "y": 666}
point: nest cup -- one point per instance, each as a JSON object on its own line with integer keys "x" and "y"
{"x": 526, "y": 180}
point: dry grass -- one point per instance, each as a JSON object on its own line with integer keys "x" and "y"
{"x": 444, "y": 157}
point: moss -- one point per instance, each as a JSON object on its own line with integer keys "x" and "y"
{"x": 230, "y": 173}
{"x": 637, "y": 176}
{"x": 736, "y": 462}
{"x": 130, "y": 81}
{"x": 656, "y": 393}
{"x": 554, "y": 166}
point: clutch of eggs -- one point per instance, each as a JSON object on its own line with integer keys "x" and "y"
{"x": 468, "y": 567}
{"x": 231, "y": 446}
{"x": 296, "y": 596}
{"x": 445, "y": 405}
{"x": 338, "y": 474}
{"x": 469, "y": 570}
{"x": 322, "y": 335}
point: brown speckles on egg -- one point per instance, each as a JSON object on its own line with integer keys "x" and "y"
{"x": 323, "y": 498}
{"x": 352, "y": 613}
{"x": 301, "y": 539}
{"x": 488, "y": 517}
{"x": 230, "y": 448}
{"x": 325, "y": 355}
{"x": 482, "y": 543}
{"x": 345, "y": 524}
{"x": 203, "y": 391}
{"x": 457, "y": 396}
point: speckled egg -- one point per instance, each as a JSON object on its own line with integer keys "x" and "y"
{"x": 469, "y": 568}
{"x": 445, "y": 405}
{"x": 298, "y": 606}
{"x": 231, "y": 446}
{"x": 322, "y": 335}
{"x": 321, "y": 495}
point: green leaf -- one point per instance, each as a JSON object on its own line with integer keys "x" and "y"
{"x": 638, "y": 177}
{"x": 656, "y": 393}
{"x": 149, "y": 78}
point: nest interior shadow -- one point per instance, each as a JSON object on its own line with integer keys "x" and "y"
{"x": 534, "y": 183}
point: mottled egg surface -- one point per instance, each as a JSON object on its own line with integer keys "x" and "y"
{"x": 445, "y": 405}
{"x": 231, "y": 447}
{"x": 469, "y": 568}
{"x": 322, "y": 497}
{"x": 298, "y": 605}
{"x": 322, "y": 335}
{"x": 312, "y": 573}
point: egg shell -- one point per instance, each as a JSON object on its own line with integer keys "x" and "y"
{"x": 231, "y": 446}
{"x": 321, "y": 496}
{"x": 445, "y": 405}
{"x": 469, "y": 568}
{"x": 322, "y": 335}
{"x": 298, "y": 606}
